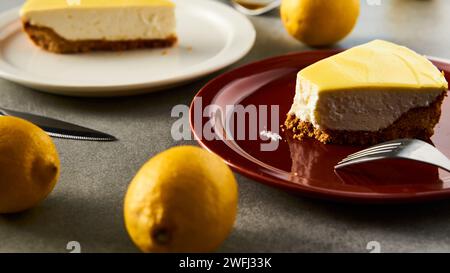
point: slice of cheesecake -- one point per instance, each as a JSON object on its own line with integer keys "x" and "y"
{"x": 72, "y": 26}
{"x": 368, "y": 94}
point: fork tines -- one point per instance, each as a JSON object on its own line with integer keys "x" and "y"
{"x": 369, "y": 154}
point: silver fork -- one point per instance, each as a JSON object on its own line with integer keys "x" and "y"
{"x": 410, "y": 149}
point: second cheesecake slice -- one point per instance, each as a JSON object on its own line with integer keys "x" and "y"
{"x": 72, "y": 26}
{"x": 368, "y": 94}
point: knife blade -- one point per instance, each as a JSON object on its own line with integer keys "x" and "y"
{"x": 60, "y": 129}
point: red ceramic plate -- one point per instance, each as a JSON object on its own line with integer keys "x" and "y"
{"x": 306, "y": 167}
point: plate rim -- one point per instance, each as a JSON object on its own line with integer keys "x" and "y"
{"x": 221, "y": 60}
{"x": 309, "y": 191}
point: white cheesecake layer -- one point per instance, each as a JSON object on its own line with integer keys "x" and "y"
{"x": 113, "y": 23}
{"x": 358, "y": 109}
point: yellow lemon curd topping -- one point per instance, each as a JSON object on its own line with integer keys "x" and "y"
{"x": 34, "y": 5}
{"x": 378, "y": 64}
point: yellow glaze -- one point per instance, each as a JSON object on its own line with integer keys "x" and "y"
{"x": 37, "y": 5}
{"x": 375, "y": 65}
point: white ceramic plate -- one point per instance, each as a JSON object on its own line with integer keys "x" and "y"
{"x": 211, "y": 37}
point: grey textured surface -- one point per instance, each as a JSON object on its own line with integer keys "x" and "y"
{"x": 86, "y": 205}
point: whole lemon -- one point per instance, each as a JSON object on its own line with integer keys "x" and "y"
{"x": 319, "y": 22}
{"x": 182, "y": 200}
{"x": 29, "y": 165}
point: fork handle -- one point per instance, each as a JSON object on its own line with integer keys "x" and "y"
{"x": 446, "y": 167}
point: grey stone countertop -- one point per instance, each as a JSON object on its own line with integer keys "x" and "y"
{"x": 86, "y": 205}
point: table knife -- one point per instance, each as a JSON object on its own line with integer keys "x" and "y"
{"x": 60, "y": 129}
